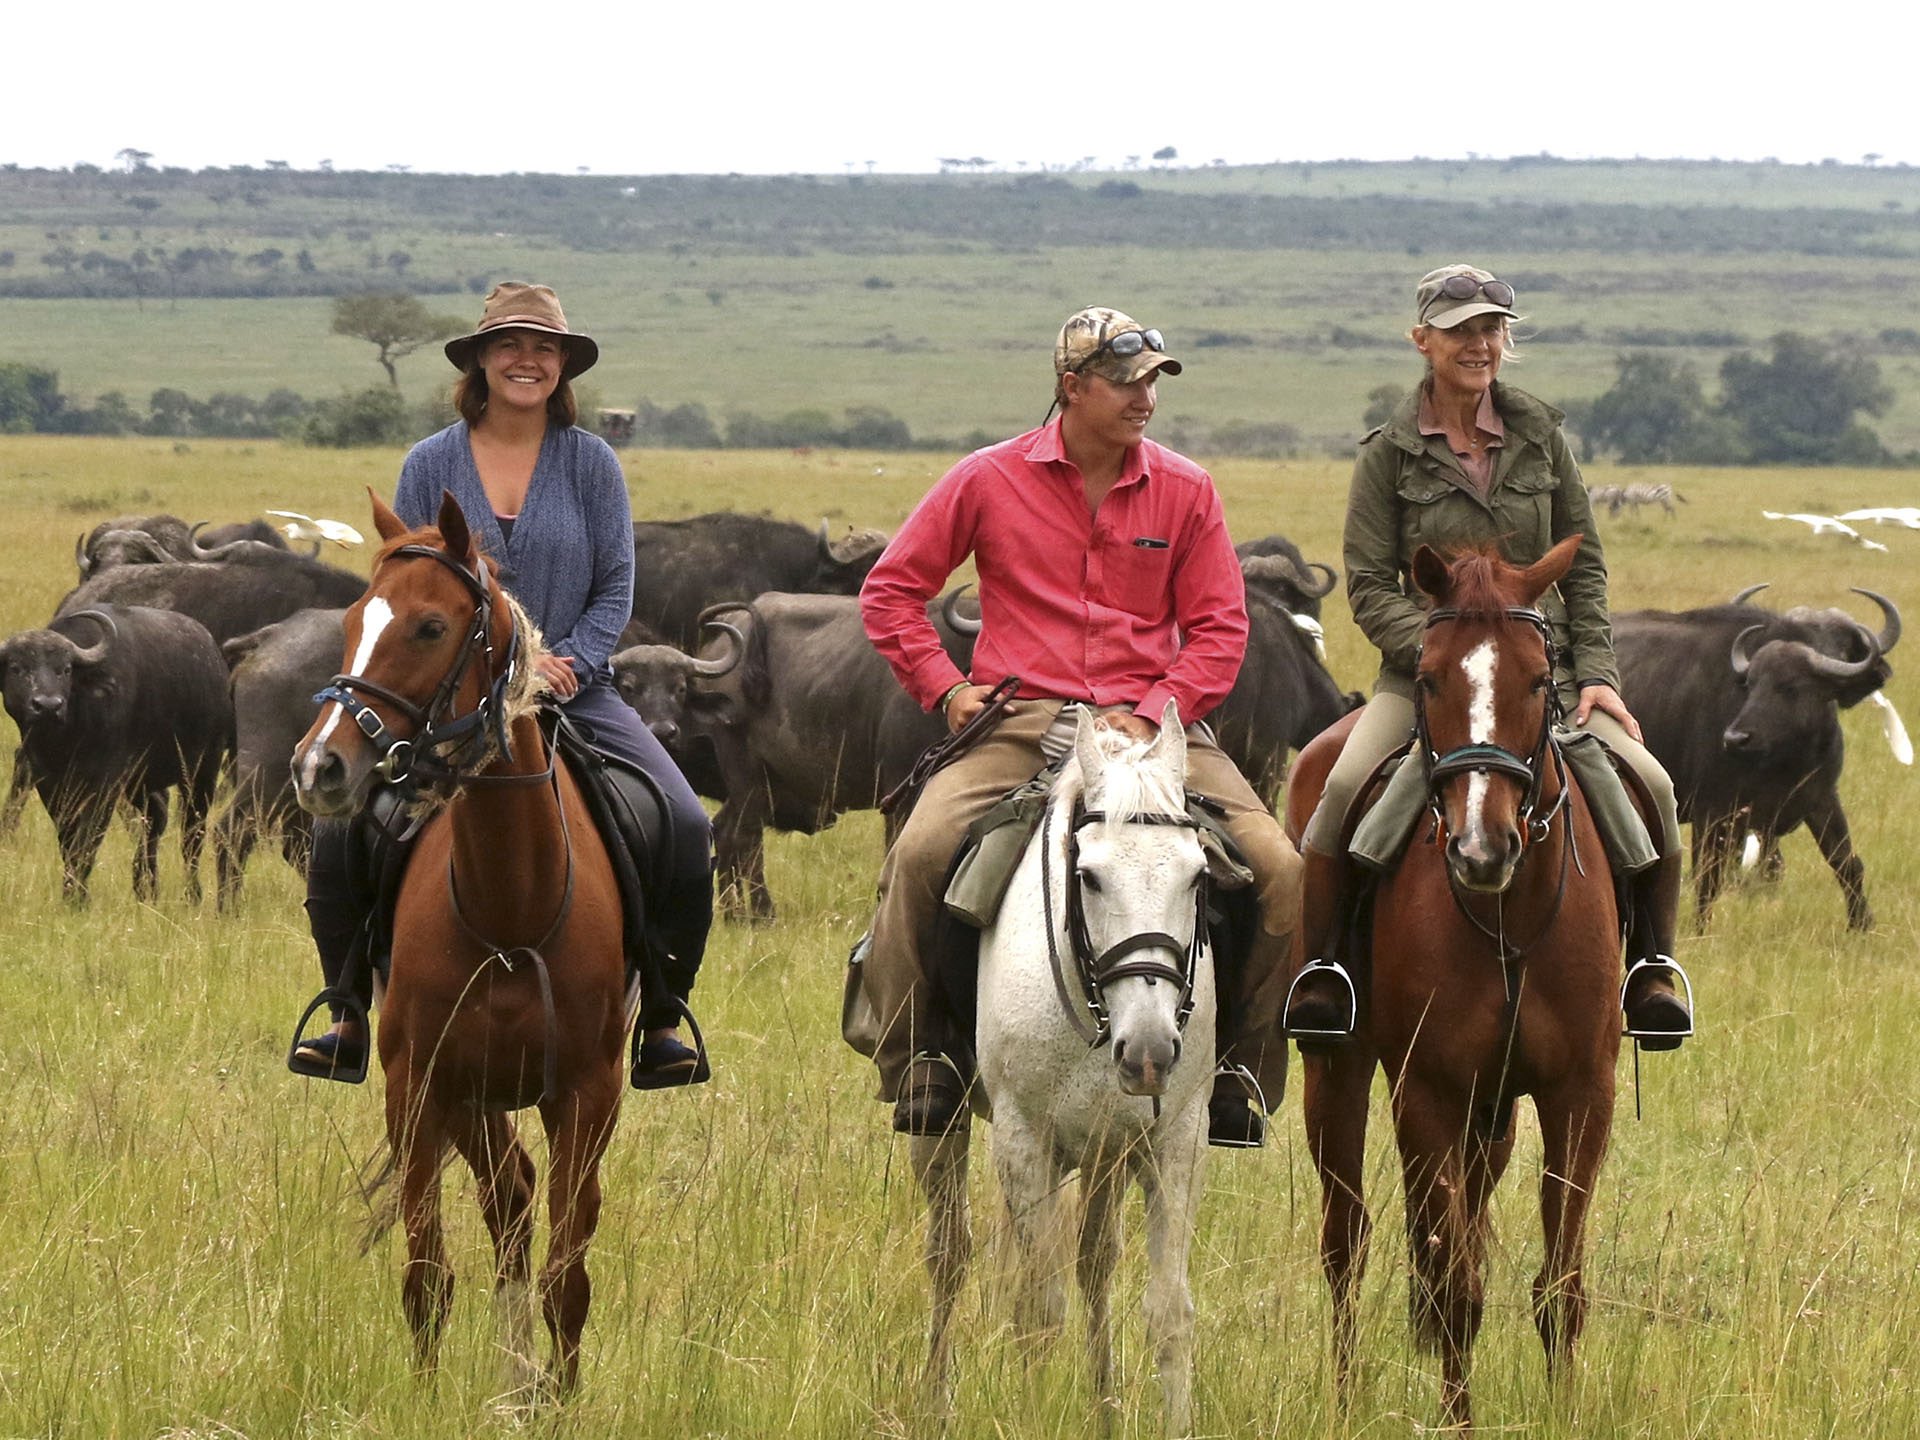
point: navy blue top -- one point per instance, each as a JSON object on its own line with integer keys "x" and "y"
{"x": 569, "y": 558}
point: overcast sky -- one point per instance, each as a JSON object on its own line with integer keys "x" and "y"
{"x": 742, "y": 85}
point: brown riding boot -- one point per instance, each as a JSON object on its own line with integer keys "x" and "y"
{"x": 1657, "y": 998}
{"x": 1322, "y": 1005}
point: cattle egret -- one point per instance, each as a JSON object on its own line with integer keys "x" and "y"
{"x": 1907, "y": 515}
{"x": 1826, "y": 525}
{"x": 305, "y": 527}
{"x": 1891, "y": 727}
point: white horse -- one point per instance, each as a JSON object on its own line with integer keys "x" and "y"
{"x": 1095, "y": 1055}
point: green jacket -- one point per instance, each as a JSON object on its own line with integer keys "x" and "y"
{"x": 1409, "y": 490}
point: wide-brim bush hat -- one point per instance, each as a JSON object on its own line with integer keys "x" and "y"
{"x": 514, "y": 305}
{"x": 1454, "y": 294}
{"x": 1085, "y": 345}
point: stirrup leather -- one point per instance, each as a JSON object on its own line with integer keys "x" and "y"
{"x": 1673, "y": 969}
{"x": 1324, "y": 967}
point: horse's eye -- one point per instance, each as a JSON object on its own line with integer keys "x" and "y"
{"x": 1090, "y": 881}
{"x": 432, "y": 628}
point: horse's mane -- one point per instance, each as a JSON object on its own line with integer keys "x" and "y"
{"x": 1129, "y": 788}
{"x": 1477, "y": 583}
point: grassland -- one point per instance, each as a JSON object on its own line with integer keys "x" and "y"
{"x": 1286, "y": 288}
{"x": 179, "y": 1227}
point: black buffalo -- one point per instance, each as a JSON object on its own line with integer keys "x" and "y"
{"x": 156, "y": 539}
{"x": 805, "y": 719}
{"x": 1274, "y": 568}
{"x": 121, "y": 703}
{"x": 1741, "y": 705}
{"x": 252, "y": 587}
{"x": 276, "y": 671}
{"x": 683, "y": 566}
{"x": 1282, "y": 697}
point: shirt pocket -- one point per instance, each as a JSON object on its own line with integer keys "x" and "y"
{"x": 1139, "y": 578}
{"x": 1525, "y": 507}
{"x": 1423, "y": 509}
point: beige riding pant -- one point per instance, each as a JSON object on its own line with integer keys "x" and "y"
{"x": 1386, "y": 723}
{"x": 912, "y": 882}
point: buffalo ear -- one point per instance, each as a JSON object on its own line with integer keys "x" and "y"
{"x": 1430, "y": 572}
{"x": 384, "y": 520}
{"x": 453, "y": 529}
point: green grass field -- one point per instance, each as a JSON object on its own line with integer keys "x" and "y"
{"x": 179, "y": 1230}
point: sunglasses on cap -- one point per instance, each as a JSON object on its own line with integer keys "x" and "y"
{"x": 1465, "y": 287}
{"x": 1125, "y": 345}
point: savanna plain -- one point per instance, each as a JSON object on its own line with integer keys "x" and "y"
{"x": 181, "y": 1224}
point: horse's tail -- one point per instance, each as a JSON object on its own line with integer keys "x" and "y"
{"x": 382, "y": 1196}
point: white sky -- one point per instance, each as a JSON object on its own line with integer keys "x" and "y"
{"x": 656, "y": 86}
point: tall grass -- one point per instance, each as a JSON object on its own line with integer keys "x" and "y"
{"x": 180, "y": 1222}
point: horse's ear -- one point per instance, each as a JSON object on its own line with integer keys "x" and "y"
{"x": 1430, "y": 572}
{"x": 1086, "y": 745}
{"x": 453, "y": 529}
{"x": 1547, "y": 570}
{"x": 1170, "y": 745}
{"x": 385, "y": 521}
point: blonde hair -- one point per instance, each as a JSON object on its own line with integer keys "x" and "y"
{"x": 1509, "y": 346}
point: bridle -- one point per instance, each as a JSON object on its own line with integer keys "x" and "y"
{"x": 1482, "y": 758}
{"x": 444, "y": 747}
{"x": 1123, "y": 959}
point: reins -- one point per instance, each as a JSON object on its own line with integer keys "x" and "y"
{"x": 1094, "y": 972}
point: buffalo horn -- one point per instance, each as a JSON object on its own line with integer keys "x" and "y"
{"x": 1747, "y": 594}
{"x": 950, "y": 612}
{"x": 80, "y": 556}
{"x": 713, "y": 669}
{"x": 218, "y": 552}
{"x": 95, "y": 653}
{"x": 1326, "y": 585}
{"x": 1889, "y": 635}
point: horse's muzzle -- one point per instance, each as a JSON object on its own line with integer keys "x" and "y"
{"x": 1483, "y": 861}
{"x": 1145, "y": 1066}
{"x": 325, "y": 783}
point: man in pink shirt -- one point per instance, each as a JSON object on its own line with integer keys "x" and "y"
{"x": 1106, "y": 577}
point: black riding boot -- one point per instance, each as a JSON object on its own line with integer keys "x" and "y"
{"x": 1656, "y": 998}
{"x": 1322, "y": 1005}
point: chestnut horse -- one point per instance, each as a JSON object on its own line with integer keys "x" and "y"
{"x": 507, "y": 986}
{"x": 1495, "y": 973}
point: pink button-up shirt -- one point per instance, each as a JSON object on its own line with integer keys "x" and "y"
{"x": 1135, "y": 604}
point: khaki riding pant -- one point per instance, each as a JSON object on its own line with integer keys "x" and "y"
{"x": 1386, "y": 723}
{"x": 913, "y": 878}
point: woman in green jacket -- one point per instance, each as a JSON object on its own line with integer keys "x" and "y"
{"x": 1466, "y": 460}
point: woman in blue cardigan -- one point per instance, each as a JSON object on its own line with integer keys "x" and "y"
{"x": 548, "y": 503}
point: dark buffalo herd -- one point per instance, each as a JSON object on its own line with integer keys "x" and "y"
{"x": 747, "y": 659}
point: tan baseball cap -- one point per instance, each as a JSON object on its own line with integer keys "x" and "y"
{"x": 515, "y": 305}
{"x": 1455, "y": 293}
{"x": 1086, "y": 345}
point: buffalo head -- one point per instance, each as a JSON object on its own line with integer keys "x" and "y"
{"x": 40, "y": 667}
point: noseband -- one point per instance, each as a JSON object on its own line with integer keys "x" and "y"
{"x": 1483, "y": 758}
{"x": 1095, "y": 972}
{"x": 442, "y": 744}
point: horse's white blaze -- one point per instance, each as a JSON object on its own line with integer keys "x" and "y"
{"x": 375, "y": 618}
{"x": 1479, "y": 665}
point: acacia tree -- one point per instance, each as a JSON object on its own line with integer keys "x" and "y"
{"x": 396, "y": 325}
{"x": 1799, "y": 407}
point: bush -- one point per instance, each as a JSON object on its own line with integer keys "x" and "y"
{"x": 375, "y": 416}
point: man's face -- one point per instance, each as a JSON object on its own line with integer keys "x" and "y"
{"x": 1117, "y": 414}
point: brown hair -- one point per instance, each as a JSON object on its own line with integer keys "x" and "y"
{"x": 470, "y": 397}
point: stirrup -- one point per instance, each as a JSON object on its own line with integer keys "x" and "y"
{"x": 1249, "y": 1094}
{"x": 1321, "y": 1035}
{"x": 356, "y": 1010}
{"x": 671, "y": 1079}
{"x": 944, "y": 1082}
{"x": 1657, "y": 1039}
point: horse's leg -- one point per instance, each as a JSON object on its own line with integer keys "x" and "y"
{"x": 1102, "y": 1184}
{"x": 417, "y": 1131}
{"x": 941, "y": 1165}
{"x": 1576, "y": 1122}
{"x": 1171, "y": 1179}
{"x": 1443, "y": 1234}
{"x": 1031, "y": 1181}
{"x": 578, "y": 1128}
{"x": 1337, "y": 1089}
{"x": 505, "y": 1174}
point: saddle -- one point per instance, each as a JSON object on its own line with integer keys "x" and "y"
{"x": 628, "y": 810}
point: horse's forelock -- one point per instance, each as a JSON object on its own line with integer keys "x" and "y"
{"x": 1479, "y": 584}
{"x": 1129, "y": 784}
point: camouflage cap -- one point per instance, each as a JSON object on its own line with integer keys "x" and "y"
{"x": 1082, "y": 347}
{"x": 1434, "y": 304}
{"x": 515, "y": 305}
